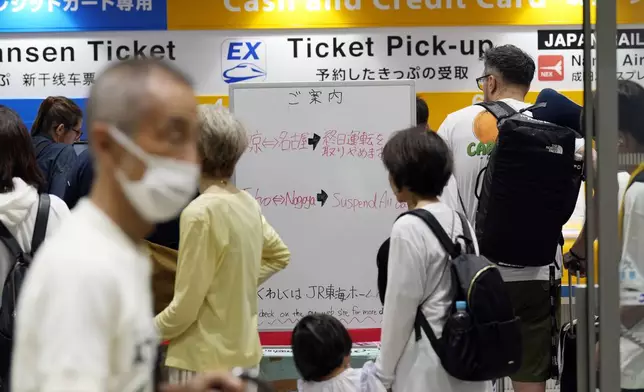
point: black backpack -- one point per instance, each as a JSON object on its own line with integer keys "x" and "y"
{"x": 14, "y": 280}
{"x": 529, "y": 188}
{"x": 491, "y": 348}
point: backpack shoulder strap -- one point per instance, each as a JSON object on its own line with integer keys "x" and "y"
{"x": 452, "y": 249}
{"x": 42, "y": 217}
{"x": 11, "y": 243}
{"x": 499, "y": 109}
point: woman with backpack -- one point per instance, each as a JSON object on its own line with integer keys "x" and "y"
{"x": 20, "y": 179}
{"x": 56, "y": 127}
{"x": 419, "y": 164}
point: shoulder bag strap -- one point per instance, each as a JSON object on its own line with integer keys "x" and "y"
{"x": 467, "y": 233}
{"x": 42, "y": 217}
{"x": 460, "y": 199}
{"x": 453, "y": 250}
{"x": 499, "y": 109}
{"x": 539, "y": 105}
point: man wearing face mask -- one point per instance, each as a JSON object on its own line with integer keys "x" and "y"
{"x": 85, "y": 321}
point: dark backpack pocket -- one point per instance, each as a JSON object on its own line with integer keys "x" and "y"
{"x": 500, "y": 348}
{"x": 461, "y": 351}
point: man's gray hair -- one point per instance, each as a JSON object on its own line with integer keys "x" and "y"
{"x": 119, "y": 95}
{"x": 222, "y": 140}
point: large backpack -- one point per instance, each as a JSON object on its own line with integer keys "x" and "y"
{"x": 529, "y": 189}
{"x": 13, "y": 282}
{"x": 491, "y": 348}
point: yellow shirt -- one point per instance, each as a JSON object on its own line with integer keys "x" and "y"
{"x": 226, "y": 250}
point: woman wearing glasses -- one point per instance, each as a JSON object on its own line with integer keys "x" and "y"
{"x": 56, "y": 127}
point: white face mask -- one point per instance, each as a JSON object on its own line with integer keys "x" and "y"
{"x": 167, "y": 186}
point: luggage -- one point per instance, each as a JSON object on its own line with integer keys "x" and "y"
{"x": 528, "y": 190}
{"x": 567, "y": 352}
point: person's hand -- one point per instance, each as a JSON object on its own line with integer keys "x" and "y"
{"x": 574, "y": 263}
{"x": 209, "y": 382}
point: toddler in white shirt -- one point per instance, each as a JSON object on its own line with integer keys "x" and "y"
{"x": 322, "y": 352}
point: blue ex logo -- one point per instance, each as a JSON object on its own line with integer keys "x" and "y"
{"x": 243, "y": 60}
{"x": 243, "y": 50}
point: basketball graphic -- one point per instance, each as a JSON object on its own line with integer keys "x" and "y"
{"x": 484, "y": 127}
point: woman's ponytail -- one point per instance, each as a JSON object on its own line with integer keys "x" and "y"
{"x": 43, "y": 110}
{"x": 54, "y": 111}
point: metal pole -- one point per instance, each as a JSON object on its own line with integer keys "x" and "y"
{"x": 581, "y": 301}
{"x": 606, "y": 33}
{"x": 585, "y": 298}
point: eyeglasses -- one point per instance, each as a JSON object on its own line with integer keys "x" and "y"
{"x": 78, "y": 132}
{"x": 481, "y": 80}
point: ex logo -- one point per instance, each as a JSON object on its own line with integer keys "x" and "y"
{"x": 242, "y": 60}
{"x": 243, "y": 50}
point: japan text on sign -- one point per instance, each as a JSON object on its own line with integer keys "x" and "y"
{"x": 266, "y": 14}
{"x": 81, "y": 15}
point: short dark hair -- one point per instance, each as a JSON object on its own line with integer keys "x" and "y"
{"x": 513, "y": 64}
{"x": 630, "y": 101}
{"x": 54, "y": 111}
{"x": 320, "y": 345}
{"x": 419, "y": 160}
{"x": 422, "y": 111}
{"x": 17, "y": 155}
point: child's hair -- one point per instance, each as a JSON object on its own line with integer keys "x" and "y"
{"x": 320, "y": 345}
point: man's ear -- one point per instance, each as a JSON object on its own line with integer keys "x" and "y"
{"x": 493, "y": 84}
{"x": 103, "y": 147}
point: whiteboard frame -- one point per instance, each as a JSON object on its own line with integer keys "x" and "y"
{"x": 365, "y": 83}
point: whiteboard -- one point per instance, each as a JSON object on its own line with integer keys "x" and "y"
{"x": 313, "y": 165}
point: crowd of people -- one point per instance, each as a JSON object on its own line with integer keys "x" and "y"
{"x": 156, "y": 185}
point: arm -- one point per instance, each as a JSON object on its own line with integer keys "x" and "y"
{"x": 199, "y": 254}
{"x": 61, "y": 170}
{"x": 405, "y": 287}
{"x": 80, "y": 179}
{"x": 275, "y": 254}
{"x": 369, "y": 382}
{"x": 74, "y": 321}
{"x": 579, "y": 247}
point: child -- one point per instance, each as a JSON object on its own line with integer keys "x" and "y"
{"x": 321, "y": 351}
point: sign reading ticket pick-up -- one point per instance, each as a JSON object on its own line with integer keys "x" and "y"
{"x": 21, "y": 16}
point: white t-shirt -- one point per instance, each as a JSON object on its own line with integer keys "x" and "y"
{"x": 631, "y": 268}
{"x": 84, "y": 319}
{"x": 418, "y": 273}
{"x": 351, "y": 380}
{"x": 471, "y": 133}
